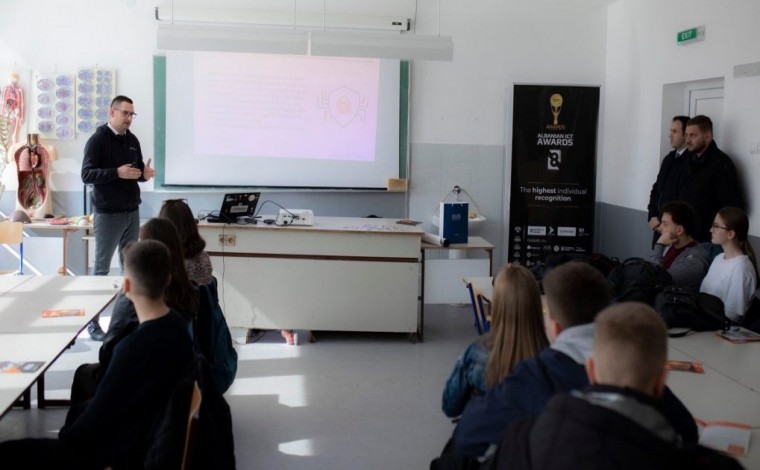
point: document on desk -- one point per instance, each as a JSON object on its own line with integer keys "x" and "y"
{"x": 739, "y": 336}
{"x": 685, "y": 366}
{"x": 725, "y": 436}
{"x": 7, "y": 367}
{"x": 70, "y": 312}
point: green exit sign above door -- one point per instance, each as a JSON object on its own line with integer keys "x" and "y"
{"x": 691, "y": 35}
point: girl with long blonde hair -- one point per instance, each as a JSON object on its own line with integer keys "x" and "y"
{"x": 517, "y": 333}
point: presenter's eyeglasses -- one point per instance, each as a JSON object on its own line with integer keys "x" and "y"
{"x": 720, "y": 227}
{"x": 126, "y": 113}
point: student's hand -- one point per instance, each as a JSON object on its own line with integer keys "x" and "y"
{"x": 654, "y": 222}
{"x": 149, "y": 171}
{"x": 126, "y": 172}
{"x": 666, "y": 238}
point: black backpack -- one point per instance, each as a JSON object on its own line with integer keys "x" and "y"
{"x": 751, "y": 320}
{"x": 638, "y": 280}
{"x": 605, "y": 264}
{"x": 698, "y": 311}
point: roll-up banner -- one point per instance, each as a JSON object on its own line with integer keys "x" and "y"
{"x": 553, "y": 188}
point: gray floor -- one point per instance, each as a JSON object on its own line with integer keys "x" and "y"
{"x": 347, "y": 401}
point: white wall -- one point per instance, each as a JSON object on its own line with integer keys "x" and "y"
{"x": 464, "y": 101}
{"x": 498, "y": 43}
{"x": 642, "y": 56}
{"x": 54, "y": 35}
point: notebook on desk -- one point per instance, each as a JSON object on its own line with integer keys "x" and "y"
{"x": 236, "y": 205}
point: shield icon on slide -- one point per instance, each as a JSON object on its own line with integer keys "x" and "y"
{"x": 343, "y": 103}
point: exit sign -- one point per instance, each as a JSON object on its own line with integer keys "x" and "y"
{"x": 691, "y": 35}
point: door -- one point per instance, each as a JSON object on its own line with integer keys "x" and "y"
{"x": 709, "y": 102}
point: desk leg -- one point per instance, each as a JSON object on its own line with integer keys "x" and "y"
{"x": 421, "y": 322}
{"x": 490, "y": 262}
{"x": 65, "y": 252}
{"x": 25, "y": 401}
{"x": 43, "y": 402}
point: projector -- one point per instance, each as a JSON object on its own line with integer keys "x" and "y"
{"x": 295, "y": 217}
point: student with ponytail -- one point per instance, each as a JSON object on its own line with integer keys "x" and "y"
{"x": 733, "y": 274}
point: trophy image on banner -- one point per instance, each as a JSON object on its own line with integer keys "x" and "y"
{"x": 556, "y": 103}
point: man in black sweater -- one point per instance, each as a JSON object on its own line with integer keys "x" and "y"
{"x": 113, "y": 165}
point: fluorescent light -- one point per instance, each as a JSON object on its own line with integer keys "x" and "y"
{"x": 231, "y": 39}
{"x": 407, "y": 47}
{"x": 303, "y": 20}
{"x": 239, "y": 38}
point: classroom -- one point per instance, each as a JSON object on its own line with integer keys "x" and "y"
{"x": 459, "y": 134}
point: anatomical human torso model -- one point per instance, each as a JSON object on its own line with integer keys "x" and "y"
{"x": 12, "y": 105}
{"x": 33, "y": 169}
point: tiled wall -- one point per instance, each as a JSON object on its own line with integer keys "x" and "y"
{"x": 479, "y": 169}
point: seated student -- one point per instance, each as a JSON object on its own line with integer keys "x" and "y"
{"x": 115, "y": 428}
{"x": 619, "y": 421}
{"x": 197, "y": 261}
{"x": 575, "y": 293}
{"x": 676, "y": 250}
{"x": 733, "y": 274}
{"x": 517, "y": 333}
{"x": 179, "y": 295}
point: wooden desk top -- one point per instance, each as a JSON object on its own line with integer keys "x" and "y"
{"x": 328, "y": 224}
{"x": 739, "y": 362}
{"x": 41, "y": 225}
{"x": 21, "y": 308}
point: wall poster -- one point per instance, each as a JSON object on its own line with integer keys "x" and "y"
{"x": 553, "y": 188}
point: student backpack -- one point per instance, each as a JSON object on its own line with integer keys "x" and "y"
{"x": 636, "y": 279}
{"x": 213, "y": 339}
{"x": 681, "y": 307}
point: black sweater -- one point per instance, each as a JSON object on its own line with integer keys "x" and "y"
{"x": 104, "y": 153}
{"x": 115, "y": 427}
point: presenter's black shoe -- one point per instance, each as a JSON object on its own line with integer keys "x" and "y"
{"x": 95, "y": 331}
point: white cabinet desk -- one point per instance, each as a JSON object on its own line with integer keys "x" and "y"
{"x": 343, "y": 274}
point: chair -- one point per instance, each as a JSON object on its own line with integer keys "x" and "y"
{"x": 12, "y": 233}
{"x": 192, "y": 421}
{"x": 172, "y": 440}
{"x": 482, "y": 325}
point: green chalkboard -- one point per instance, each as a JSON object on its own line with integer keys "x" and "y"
{"x": 159, "y": 116}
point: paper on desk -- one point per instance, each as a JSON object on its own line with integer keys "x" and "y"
{"x": 71, "y": 312}
{"x": 725, "y": 436}
{"x": 685, "y": 366}
{"x": 7, "y": 367}
{"x": 739, "y": 336}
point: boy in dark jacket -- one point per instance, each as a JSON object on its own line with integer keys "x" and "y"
{"x": 619, "y": 421}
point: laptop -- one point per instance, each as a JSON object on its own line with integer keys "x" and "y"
{"x": 236, "y": 205}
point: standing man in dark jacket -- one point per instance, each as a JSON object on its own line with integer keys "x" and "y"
{"x": 113, "y": 165}
{"x": 619, "y": 421}
{"x": 708, "y": 181}
{"x": 665, "y": 187}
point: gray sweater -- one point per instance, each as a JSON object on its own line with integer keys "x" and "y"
{"x": 688, "y": 269}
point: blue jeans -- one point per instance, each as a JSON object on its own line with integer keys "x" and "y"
{"x": 112, "y": 230}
